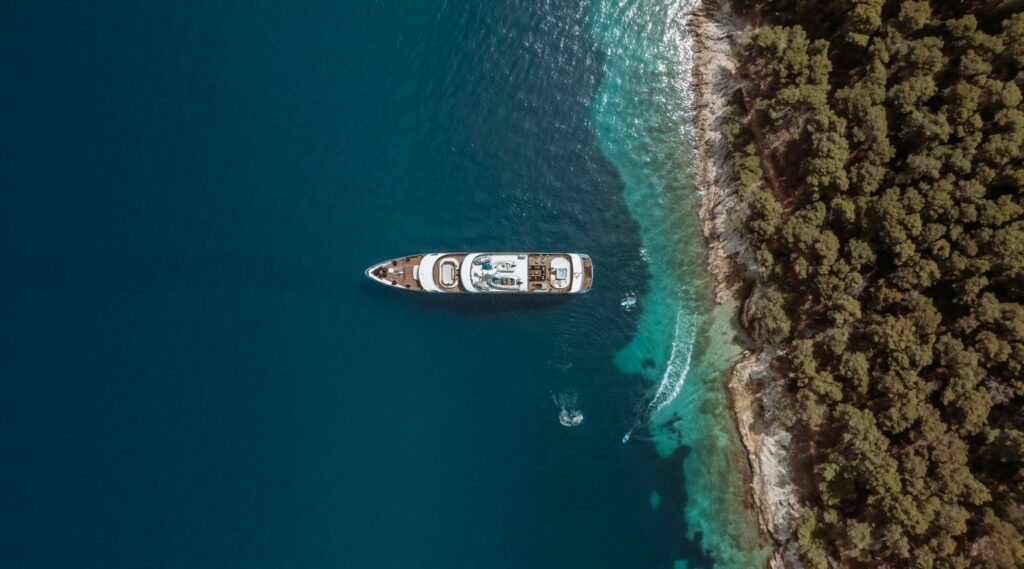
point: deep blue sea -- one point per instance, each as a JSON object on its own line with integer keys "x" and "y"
{"x": 194, "y": 372}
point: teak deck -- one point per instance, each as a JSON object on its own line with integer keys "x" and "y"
{"x": 401, "y": 272}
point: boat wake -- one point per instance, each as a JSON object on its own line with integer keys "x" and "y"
{"x": 672, "y": 379}
{"x": 569, "y": 414}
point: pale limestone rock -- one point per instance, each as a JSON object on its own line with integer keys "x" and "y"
{"x": 755, "y": 389}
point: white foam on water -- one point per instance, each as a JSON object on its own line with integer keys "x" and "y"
{"x": 674, "y": 376}
{"x": 569, "y": 413}
{"x": 643, "y": 117}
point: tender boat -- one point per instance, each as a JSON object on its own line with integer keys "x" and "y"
{"x": 487, "y": 273}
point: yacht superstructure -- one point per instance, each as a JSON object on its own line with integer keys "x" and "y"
{"x": 487, "y": 273}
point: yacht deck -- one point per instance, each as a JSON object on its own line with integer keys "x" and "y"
{"x": 505, "y": 272}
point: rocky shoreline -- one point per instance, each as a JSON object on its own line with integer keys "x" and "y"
{"x": 754, "y": 393}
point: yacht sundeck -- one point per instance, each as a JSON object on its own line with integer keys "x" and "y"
{"x": 487, "y": 272}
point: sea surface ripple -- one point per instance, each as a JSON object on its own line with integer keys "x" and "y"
{"x": 194, "y": 371}
{"x": 644, "y": 121}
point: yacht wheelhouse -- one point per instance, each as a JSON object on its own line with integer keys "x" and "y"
{"x": 487, "y": 273}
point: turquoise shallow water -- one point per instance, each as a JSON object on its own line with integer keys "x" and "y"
{"x": 194, "y": 371}
{"x": 683, "y": 345}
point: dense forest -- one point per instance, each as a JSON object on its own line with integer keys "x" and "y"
{"x": 878, "y": 150}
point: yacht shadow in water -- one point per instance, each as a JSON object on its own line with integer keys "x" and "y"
{"x": 469, "y": 302}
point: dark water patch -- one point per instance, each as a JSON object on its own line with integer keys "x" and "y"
{"x": 195, "y": 373}
{"x": 674, "y": 498}
{"x": 467, "y": 303}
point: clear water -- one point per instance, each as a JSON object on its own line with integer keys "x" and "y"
{"x": 195, "y": 373}
{"x": 643, "y": 118}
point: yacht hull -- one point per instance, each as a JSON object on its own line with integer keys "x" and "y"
{"x": 487, "y": 273}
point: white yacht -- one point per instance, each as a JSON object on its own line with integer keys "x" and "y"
{"x": 487, "y": 273}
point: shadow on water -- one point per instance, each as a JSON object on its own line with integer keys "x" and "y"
{"x": 468, "y": 303}
{"x": 669, "y": 481}
{"x": 674, "y": 498}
